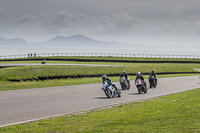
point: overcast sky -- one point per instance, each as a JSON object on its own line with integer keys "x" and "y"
{"x": 151, "y": 22}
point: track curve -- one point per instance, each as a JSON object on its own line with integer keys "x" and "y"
{"x": 21, "y": 106}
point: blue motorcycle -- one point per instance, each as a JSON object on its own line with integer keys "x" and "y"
{"x": 110, "y": 91}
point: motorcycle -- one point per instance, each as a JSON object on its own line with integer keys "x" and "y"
{"x": 141, "y": 86}
{"x": 152, "y": 82}
{"x": 110, "y": 91}
{"x": 124, "y": 83}
{"x": 43, "y": 62}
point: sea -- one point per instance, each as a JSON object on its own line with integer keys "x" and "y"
{"x": 8, "y": 50}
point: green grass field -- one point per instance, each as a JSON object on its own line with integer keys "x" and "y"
{"x": 178, "y": 113}
{"x": 27, "y": 72}
{"x": 36, "y": 71}
{"x": 30, "y": 72}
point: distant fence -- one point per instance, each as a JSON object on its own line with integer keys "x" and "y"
{"x": 99, "y": 55}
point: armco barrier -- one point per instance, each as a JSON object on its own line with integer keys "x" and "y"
{"x": 8, "y": 66}
{"x": 45, "y": 55}
{"x": 91, "y": 76}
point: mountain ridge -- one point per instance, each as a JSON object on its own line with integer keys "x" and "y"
{"x": 12, "y": 40}
{"x": 79, "y": 40}
{"x": 72, "y": 38}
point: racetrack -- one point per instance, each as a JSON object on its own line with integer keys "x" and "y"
{"x": 20, "y": 106}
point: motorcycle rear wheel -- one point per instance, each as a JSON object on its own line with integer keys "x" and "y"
{"x": 118, "y": 94}
{"x": 128, "y": 86}
{"x": 145, "y": 91}
{"x": 123, "y": 86}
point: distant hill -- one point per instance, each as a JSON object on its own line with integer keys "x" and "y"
{"x": 84, "y": 41}
{"x": 74, "y": 40}
{"x": 61, "y": 41}
{"x": 14, "y": 41}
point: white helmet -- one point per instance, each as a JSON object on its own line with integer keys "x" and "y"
{"x": 138, "y": 73}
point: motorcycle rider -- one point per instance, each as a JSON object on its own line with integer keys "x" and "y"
{"x": 44, "y": 61}
{"x": 125, "y": 75}
{"x": 105, "y": 78}
{"x": 153, "y": 74}
{"x": 140, "y": 76}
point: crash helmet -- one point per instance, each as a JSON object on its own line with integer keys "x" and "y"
{"x": 153, "y": 71}
{"x": 123, "y": 72}
{"x": 138, "y": 74}
{"x": 104, "y": 77}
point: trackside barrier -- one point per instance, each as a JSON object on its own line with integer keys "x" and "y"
{"x": 33, "y": 55}
{"x": 91, "y": 76}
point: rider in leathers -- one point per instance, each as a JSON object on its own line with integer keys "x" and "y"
{"x": 125, "y": 75}
{"x": 140, "y": 76}
{"x": 105, "y": 78}
{"x": 153, "y": 74}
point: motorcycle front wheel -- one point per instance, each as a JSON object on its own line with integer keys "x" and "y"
{"x": 154, "y": 84}
{"x": 108, "y": 93}
{"x": 139, "y": 89}
{"x": 151, "y": 85}
{"x": 123, "y": 86}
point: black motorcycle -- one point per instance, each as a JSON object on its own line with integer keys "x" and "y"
{"x": 152, "y": 81}
{"x": 43, "y": 62}
{"x": 124, "y": 83}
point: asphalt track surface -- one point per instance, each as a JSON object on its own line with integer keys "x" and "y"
{"x": 21, "y": 106}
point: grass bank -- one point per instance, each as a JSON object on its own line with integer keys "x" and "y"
{"x": 33, "y": 72}
{"x": 26, "y": 72}
{"x": 173, "y": 113}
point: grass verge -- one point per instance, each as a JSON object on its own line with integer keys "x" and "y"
{"x": 30, "y": 72}
{"x": 172, "y": 113}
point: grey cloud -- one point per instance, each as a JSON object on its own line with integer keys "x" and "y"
{"x": 187, "y": 28}
{"x": 101, "y": 18}
{"x": 1, "y": 11}
{"x": 68, "y": 22}
{"x": 27, "y": 18}
{"x": 2, "y": 14}
{"x": 121, "y": 22}
{"x": 64, "y": 21}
